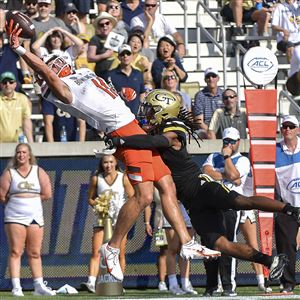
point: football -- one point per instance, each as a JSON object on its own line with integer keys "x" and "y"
{"x": 28, "y": 29}
{"x": 128, "y": 94}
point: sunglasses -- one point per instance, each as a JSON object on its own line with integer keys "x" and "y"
{"x": 71, "y": 12}
{"x": 150, "y": 5}
{"x": 229, "y": 141}
{"x": 8, "y": 81}
{"x": 31, "y": 3}
{"x": 229, "y": 97}
{"x": 167, "y": 77}
{"x": 125, "y": 53}
{"x": 104, "y": 24}
{"x": 211, "y": 75}
{"x": 114, "y": 6}
{"x": 291, "y": 127}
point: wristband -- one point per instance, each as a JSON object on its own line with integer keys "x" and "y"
{"x": 20, "y": 51}
{"x": 147, "y": 223}
{"x": 226, "y": 156}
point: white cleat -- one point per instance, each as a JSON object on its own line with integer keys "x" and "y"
{"x": 88, "y": 286}
{"x": 193, "y": 250}
{"x": 176, "y": 290}
{"x": 17, "y": 292}
{"x": 110, "y": 256}
{"x": 43, "y": 290}
{"x": 162, "y": 286}
{"x": 189, "y": 290}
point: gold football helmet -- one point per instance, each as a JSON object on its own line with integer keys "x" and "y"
{"x": 160, "y": 105}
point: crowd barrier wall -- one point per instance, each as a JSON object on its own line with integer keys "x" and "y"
{"x": 68, "y": 221}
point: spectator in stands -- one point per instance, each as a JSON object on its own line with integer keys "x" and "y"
{"x": 23, "y": 187}
{"x": 293, "y": 81}
{"x": 139, "y": 61}
{"x": 240, "y": 11}
{"x": 249, "y": 230}
{"x": 83, "y": 7}
{"x": 56, "y": 121}
{"x": 160, "y": 239}
{"x": 102, "y": 5}
{"x": 71, "y": 19}
{"x": 15, "y": 111}
{"x": 127, "y": 76}
{"x": 285, "y": 22}
{"x": 31, "y": 9}
{"x": 231, "y": 170}
{"x": 172, "y": 253}
{"x": 287, "y": 171}
{"x": 45, "y": 21}
{"x": 9, "y": 60}
{"x": 82, "y": 60}
{"x": 169, "y": 245}
{"x": 97, "y": 53}
{"x": 166, "y": 58}
{"x": 108, "y": 180}
{"x": 229, "y": 116}
{"x": 52, "y": 42}
{"x": 11, "y": 4}
{"x": 207, "y": 101}
{"x": 131, "y": 8}
{"x": 156, "y": 26}
{"x": 2, "y": 20}
{"x": 170, "y": 82}
{"x": 114, "y": 8}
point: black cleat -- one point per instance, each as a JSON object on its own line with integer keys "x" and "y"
{"x": 277, "y": 267}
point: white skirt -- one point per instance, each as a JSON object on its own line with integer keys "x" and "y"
{"x": 24, "y": 210}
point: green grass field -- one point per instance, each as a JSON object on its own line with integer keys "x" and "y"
{"x": 243, "y": 292}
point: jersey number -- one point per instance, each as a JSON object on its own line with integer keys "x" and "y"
{"x": 101, "y": 84}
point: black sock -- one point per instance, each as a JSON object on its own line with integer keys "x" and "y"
{"x": 290, "y": 210}
{"x": 263, "y": 259}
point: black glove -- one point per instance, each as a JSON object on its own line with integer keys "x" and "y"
{"x": 111, "y": 142}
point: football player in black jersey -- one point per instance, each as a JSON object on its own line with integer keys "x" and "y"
{"x": 168, "y": 126}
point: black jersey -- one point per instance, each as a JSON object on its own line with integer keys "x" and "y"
{"x": 184, "y": 170}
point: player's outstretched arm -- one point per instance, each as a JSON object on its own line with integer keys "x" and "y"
{"x": 141, "y": 141}
{"x": 57, "y": 86}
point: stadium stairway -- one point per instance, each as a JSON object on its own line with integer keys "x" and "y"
{"x": 211, "y": 56}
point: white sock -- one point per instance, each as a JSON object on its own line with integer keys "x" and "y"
{"x": 92, "y": 279}
{"x": 260, "y": 279}
{"x": 38, "y": 281}
{"x": 16, "y": 283}
{"x": 184, "y": 282}
{"x": 172, "y": 280}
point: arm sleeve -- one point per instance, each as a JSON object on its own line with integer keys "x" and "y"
{"x": 144, "y": 141}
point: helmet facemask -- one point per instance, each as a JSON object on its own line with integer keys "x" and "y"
{"x": 59, "y": 66}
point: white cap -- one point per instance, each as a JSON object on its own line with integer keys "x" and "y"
{"x": 211, "y": 71}
{"x": 231, "y": 133}
{"x": 44, "y": 1}
{"x": 124, "y": 47}
{"x": 290, "y": 119}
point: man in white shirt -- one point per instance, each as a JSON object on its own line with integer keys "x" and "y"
{"x": 287, "y": 171}
{"x": 232, "y": 170}
{"x": 155, "y": 26}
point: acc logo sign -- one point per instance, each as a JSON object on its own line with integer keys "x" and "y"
{"x": 294, "y": 186}
{"x": 260, "y": 65}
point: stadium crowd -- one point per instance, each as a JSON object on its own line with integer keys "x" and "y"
{"x": 136, "y": 49}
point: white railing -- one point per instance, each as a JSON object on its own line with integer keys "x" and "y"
{"x": 221, "y": 46}
{"x": 183, "y": 5}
